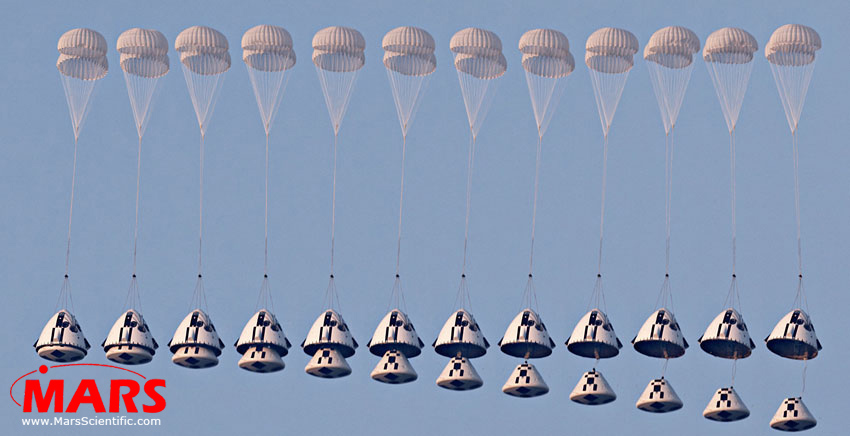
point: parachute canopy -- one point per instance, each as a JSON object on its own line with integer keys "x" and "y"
{"x": 146, "y": 42}
{"x": 546, "y": 59}
{"x": 672, "y": 47}
{"x": 144, "y": 59}
{"x": 204, "y": 55}
{"x": 478, "y": 60}
{"x": 730, "y": 45}
{"x": 409, "y": 59}
{"x": 268, "y": 54}
{"x": 268, "y": 48}
{"x": 338, "y": 53}
{"x": 82, "y": 42}
{"x": 82, "y": 62}
{"x": 728, "y": 54}
{"x": 609, "y": 54}
{"x": 791, "y": 54}
{"x": 670, "y": 54}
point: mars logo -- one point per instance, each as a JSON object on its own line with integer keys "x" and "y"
{"x": 128, "y": 391}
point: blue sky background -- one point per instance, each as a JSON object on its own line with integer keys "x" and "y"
{"x": 36, "y": 167}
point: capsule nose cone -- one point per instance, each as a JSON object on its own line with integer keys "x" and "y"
{"x": 793, "y": 415}
{"x": 726, "y": 406}
{"x": 328, "y": 363}
{"x": 525, "y": 382}
{"x": 261, "y": 359}
{"x": 195, "y": 357}
{"x": 394, "y": 368}
{"x": 659, "y": 397}
{"x": 459, "y": 375}
{"x": 592, "y": 389}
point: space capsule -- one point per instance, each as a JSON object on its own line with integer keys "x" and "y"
{"x": 594, "y": 337}
{"x": 62, "y": 339}
{"x": 592, "y": 389}
{"x": 526, "y": 337}
{"x": 130, "y": 340}
{"x": 793, "y": 415}
{"x": 395, "y": 341}
{"x": 526, "y": 382}
{"x": 727, "y": 336}
{"x": 329, "y": 342}
{"x": 660, "y": 336}
{"x": 459, "y": 375}
{"x": 196, "y": 343}
{"x": 659, "y": 397}
{"x": 262, "y": 344}
{"x": 794, "y": 337}
{"x": 461, "y": 336}
{"x": 726, "y": 406}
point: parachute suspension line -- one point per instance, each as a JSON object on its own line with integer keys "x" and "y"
{"x": 397, "y": 294}
{"x": 797, "y": 202}
{"x": 201, "y": 208}
{"x": 666, "y": 291}
{"x": 734, "y": 371}
{"x": 136, "y": 226}
{"x": 266, "y": 217}
{"x": 534, "y": 206}
{"x": 469, "y": 168}
{"x": 333, "y": 206}
{"x": 598, "y": 294}
{"x": 400, "y": 205}
{"x": 331, "y": 297}
{"x": 199, "y": 298}
{"x": 71, "y": 209}
{"x": 734, "y": 202}
{"x": 800, "y": 298}
{"x": 602, "y": 207}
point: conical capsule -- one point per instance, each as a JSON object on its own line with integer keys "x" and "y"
{"x": 459, "y": 375}
{"x": 527, "y": 337}
{"x": 130, "y": 341}
{"x": 196, "y": 343}
{"x": 594, "y": 337}
{"x": 525, "y": 382}
{"x": 794, "y": 337}
{"x": 659, "y": 397}
{"x": 461, "y": 336}
{"x": 592, "y": 389}
{"x": 262, "y": 344}
{"x": 660, "y": 336}
{"x": 726, "y": 406}
{"x": 727, "y": 336}
{"x": 394, "y": 368}
{"x": 328, "y": 363}
{"x": 793, "y": 415}
{"x": 62, "y": 339}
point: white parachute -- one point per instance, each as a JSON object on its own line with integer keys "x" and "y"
{"x": 81, "y": 64}
{"x": 409, "y": 60}
{"x": 338, "y": 53}
{"x": 268, "y": 56}
{"x": 205, "y": 58}
{"x": 609, "y": 55}
{"x": 728, "y": 55}
{"x": 144, "y": 60}
{"x": 546, "y": 59}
